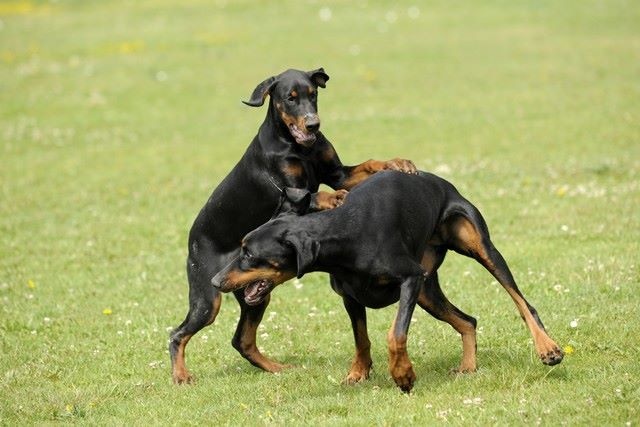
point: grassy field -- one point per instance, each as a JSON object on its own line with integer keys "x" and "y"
{"x": 118, "y": 118}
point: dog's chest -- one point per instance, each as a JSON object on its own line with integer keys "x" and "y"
{"x": 372, "y": 292}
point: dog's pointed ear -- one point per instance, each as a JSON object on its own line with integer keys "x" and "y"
{"x": 261, "y": 91}
{"x": 307, "y": 251}
{"x": 318, "y": 77}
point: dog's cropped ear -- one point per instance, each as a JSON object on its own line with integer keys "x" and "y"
{"x": 293, "y": 201}
{"x": 318, "y": 77}
{"x": 307, "y": 251}
{"x": 297, "y": 200}
{"x": 261, "y": 91}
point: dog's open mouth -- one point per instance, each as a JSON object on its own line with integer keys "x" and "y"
{"x": 300, "y": 136}
{"x": 256, "y": 291}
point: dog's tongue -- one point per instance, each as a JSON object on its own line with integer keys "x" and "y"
{"x": 252, "y": 291}
{"x": 300, "y": 136}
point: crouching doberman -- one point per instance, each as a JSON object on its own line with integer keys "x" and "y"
{"x": 383, "y": 245}
{"x": 288, "y": 151}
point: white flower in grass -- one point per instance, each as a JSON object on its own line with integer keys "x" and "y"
{"x": 574, "y": 323}
{"x": 325, "y": 14}
{"x": 391, "y": 16}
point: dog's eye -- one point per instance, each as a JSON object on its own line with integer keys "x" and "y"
{"x": 245, "y": 253}
{"x": 291, "y": 98}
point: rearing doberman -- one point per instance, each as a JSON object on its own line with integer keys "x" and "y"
{"x": 288, "y": 151}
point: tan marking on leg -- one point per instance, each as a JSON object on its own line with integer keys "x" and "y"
{"x": 464, "y": 234}
{"x": 430, "y": 260}
{"x": 400, "y": 365}
{"x": 464, "y": 328}
{"x": 469, "y": 348}
{"x": 361, "y": 364}
{"x": 180, "y": 373}
{"x": 249, "y": 350}
{"x": 361, "y": 172}
{"x": 215, "y": 308}
{"x": 547, "y": 349}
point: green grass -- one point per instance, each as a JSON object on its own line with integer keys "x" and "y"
{"x": 118, "y": 118}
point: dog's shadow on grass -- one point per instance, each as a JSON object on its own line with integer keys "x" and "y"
{"x": 434, "y": 370}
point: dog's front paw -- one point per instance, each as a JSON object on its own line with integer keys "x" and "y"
{"x": 182, "y": 377}
{"x": 402, "y": 165}
{"x": 359, "y": 372}
{"x": 326, "y": 200}
{"x": 355, "y": 377}
{"x": 461, "y": 370}
{"x": 338, "y": 197}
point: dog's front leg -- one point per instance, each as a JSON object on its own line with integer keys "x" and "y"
{"x": 361, "y": 365}
{"x": 399, "y": 363}
{"x": 357, "y": 174}
{"x": 339, "y": 176}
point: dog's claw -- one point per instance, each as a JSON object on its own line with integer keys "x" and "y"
{"x": 339, "y": 196}
{"x": 552, "y": 357}
{"x": 359, "y": 372}
{"x": 402, "y": 165}
{"x": 462, "y": 370}
{"x": 406, "y": 380}
{"x": 353, "y": 379}
{"x": 180, "y": 380}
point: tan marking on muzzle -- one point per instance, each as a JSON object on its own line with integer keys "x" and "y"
{"x": 237, "y": 279}
{"x": 298, "y": 121}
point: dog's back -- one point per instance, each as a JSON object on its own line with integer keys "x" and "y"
{"x": 409, "y": 204}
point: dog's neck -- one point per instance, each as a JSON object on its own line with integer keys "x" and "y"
{"x": 323, "y": 227}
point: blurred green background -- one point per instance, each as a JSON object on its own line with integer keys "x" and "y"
{"x": 118, "y": 118}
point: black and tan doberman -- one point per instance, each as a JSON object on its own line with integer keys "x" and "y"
{"x": 288, "y": 151}
{"x": 383, "y": 245}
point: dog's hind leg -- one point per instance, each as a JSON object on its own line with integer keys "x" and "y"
{"x": 244, "y": 339}
{"x": 468, "y": 235}
{"x": 432, "y": 299}
{"x": 204, "y": 305}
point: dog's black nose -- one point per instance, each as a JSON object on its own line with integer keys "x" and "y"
{"x": 312, "y": 123}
